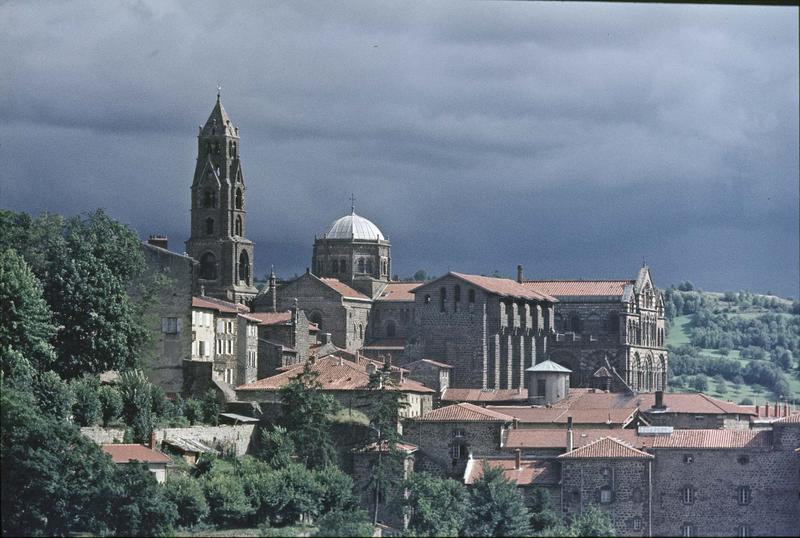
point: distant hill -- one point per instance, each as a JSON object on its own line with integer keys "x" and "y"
{"x": 738, "y": 346}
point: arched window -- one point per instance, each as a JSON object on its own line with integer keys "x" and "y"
{"x": 335, "y": 266}
{"x": 244, "y": 266}
{"x": 342, "y": 266}
{"x": 209, "y": 199}
{"x": 457, "y": 294}
{"x": 238, "y": 225}
{"x": 391, "y": 329}
{"x": 209, "y": 226}
{"x": 208, "y": 266}
{"x": 575, "y": 323}
{"x": 239, "y": 199}
{"x": 316, "y": 318}
{"x": 361, "y": 265}
{"x": 613, "y": 322}
{"x": 369, "y": 266}
{"x": 360, "y": 332}
{"x": 471, "y": 295}
{"x": 442, "y": 299}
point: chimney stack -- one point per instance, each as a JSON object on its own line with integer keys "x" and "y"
{"x": 569, "y": 434}
{"x": 758, "y": 410}
{"x": 158, "y": 240}
{"x": 153, "y": 441}
{"x": 659, "y": 399}
{"x": 518, "y": 459}
{"x": 519, "y": 273}
{"x": 776, "y": 409}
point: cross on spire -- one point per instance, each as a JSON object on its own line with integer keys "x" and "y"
{"x": 219, "y": 91}
{"x": 352, "y": 203}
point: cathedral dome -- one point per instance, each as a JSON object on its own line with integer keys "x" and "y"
{"x": 353, "y": 226}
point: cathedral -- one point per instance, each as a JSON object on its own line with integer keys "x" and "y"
{"x": 609, "y": 333}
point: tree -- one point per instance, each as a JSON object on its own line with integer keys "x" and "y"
{"x": 55, "y": 480}
{"x": 337, "y": 490}
{"x": 420, "y": 276}
{"x": 542, "y": 514}
{"x": 435, "y": 506}
{"x": 495, "y": 507}
{"x": 211, "y": 407}
{"x": 137, "y": 404}
{"x": 140, "y": 506}
{"x": 25, "y": 319}
{"x": 193, "y": 411}
{"x": 110, "y": 403}
{"x": 305, "y": 415}
{"x": 700, "y": 383}
{"x": 53, "y": 396}
{"x": 592, "y": 522}
{"x": 345, "y": 523}
{"x": 227, "y": 502}
{"x": 86, "y": 409}
{"x": 186, "y": 494}
{"x": 275, "y": 447}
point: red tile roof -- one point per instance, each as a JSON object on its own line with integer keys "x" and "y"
{"x": 218, "y": 305}
{"x": 505, "y": 287}
{"x": 463, "y": 412}
{"x": 123, "y": 453}
{"x": 398, "y": 291}
{"x": 556, "y": 438}
{"x": 565, "y": 288}
{"x": 714, "y": 439}
{"x": 555, "y": 415}
{"x": 334, "y": 374}
{"x": 479, "y": 395}
{"x": 272, "y": 318}
{"x": 531, "y": 472}
{"x": 606, "y": 448}
{"x": 343, "y": 289}
{"x": 791, "y": 419}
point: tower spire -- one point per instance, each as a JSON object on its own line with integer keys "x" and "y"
{"x": 219, "y": 91}
{"x": 352, "y": 203}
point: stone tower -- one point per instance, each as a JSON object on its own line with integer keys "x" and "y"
{"x": 218, "y": 213}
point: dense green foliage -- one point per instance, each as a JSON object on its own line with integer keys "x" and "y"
{"x": 137, "y": 404}
{"x": 275, "y": 447}
{"x": 305, "y": 414}
{"x": 85, "y": 266}
{"x": 139, "y": 505}
{"x": 495, "y": 507}
{"x": 110, "y": 403}
{"x": 354, "y": 523}
{"x": 26, "y": 319}
{"x": 186, "y": 493}
{"x": 53, "y": 395}
{"x": 86, "y": 407}
{"x": 435, "y": 506}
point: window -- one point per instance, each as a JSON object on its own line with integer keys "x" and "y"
{"x": 361, "y": 265}
{"x": 427, "y": 299}
{"x": 743, "y": 531}
{"x": 239, "y": 199}
{"x": 471, "y": 296}
{"x": 244, "y": 266}
{"x": 541, "y": 387}
{"x": 636, "y": 495}
{"x": 369, "y": 266}
{"x": 688, "y": 495}
{"x": 458, "y": 451}
{"x": 605, "y": 495}
{"x": 209, "y": 226}
{"x": 457, "y": 294}
{"x": 743, "y": 460}
{"x": 442, "y": 299}
{"x": 743, "y": 493}
{"x": 575, "y": 323}
{"x": 688, "y": 458}
{"x": 342, "y": 266}
{"x": 637, "y": 523}
{"x": 169, "y": 325}
{"x": 687, "y": 531}
{"x": 458, "y": 434}
{"x": 390, "y": 329}
{"x": 335, "y": 267}
{"x": 201, "y": 348}
{"x": 238, "y": 226}
{"x": 209, "y": 199}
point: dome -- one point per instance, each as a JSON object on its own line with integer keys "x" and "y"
{"x": 353, "y": 226}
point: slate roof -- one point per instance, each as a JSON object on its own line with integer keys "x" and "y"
{"x": 479, "y": 395}
{"x": 398, "y": 291}
{"x": 531, "y": 472}
{"x": 342, "y": 289}
{"x": 606, "y": 448}
{"x": 125, "y": 453}
{"x": 581, "y": 288}
{"x": 219, "y": 305}
{"x": 334, "y": 374}
{"x": 711, "y": 439}
{"x": 463, "y": 412}
{"x": 548, "y": 366}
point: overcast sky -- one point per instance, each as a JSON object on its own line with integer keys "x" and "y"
{"x": 573, "y": 139}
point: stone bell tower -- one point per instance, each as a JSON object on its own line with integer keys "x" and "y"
{"x": 218, "y": 213}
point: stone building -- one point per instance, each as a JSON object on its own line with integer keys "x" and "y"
{"x": 616, "y": 323}
{"x": 489, "y": 329}
{"x": 284, "y": 339}
{"x": 218, "y": 221}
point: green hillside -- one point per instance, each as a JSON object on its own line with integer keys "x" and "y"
{"x": 737, "y": 346}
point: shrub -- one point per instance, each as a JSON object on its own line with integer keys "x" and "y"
{"x": 110, "y": 403}
{"x": 53, "y": 395}
{"x": 227, "y": 502}
{"x": 86, "y": 409}
{"x": 349, "y": 523}
{"x": 193, "y": 411}
{"x": 187, "y": 495}
{"x": 137, "y": 404}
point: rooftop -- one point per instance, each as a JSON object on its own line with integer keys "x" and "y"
{"x": 710, "y": 439}
{"x": 124, "y": 453}
{"x": 556, "y": 438}
{"x": 342, "y": 289}
{"x": 581, "y": 288}
{"x": 398, "y": 291}
{"x": 219, "y": 305}
{"x": 530, "y": 472}
{"x": 480, "y": 395}
{"x": 548, "y": 366}
{"x": 606, "y": 448}
{"x": 355, "y": 227}
{"x": 463, "y": 412}
{"x": 272, "y": 318}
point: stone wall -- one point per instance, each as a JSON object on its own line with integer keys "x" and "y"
{"x": 627, "y": 480}
{"x": 104, "y": 436}
{"x": 240, "y": 436}
{"x": 391, "y": 319}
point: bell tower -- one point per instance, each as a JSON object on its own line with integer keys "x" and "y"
{"x": 218, "y": 212}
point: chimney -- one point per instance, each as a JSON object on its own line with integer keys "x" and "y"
{"x": 776, "y": 409}
{"x": 158, "y": 240}
{"x": 371, "y": 369}
{"x": 766, "y": 409}
{"x": 659, "y": 399}
{"x": 153, "y": 441}
{"x": 519, "y": 274}
{"x": 515, "y": 422}
{"x": 518, "y": 459}
{"x": 569, "y": 434}
{"x": 325, "y": 338}
{"x": 758, "y": 410}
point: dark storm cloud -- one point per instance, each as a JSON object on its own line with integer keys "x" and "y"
{"x": 575, "y": 139}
